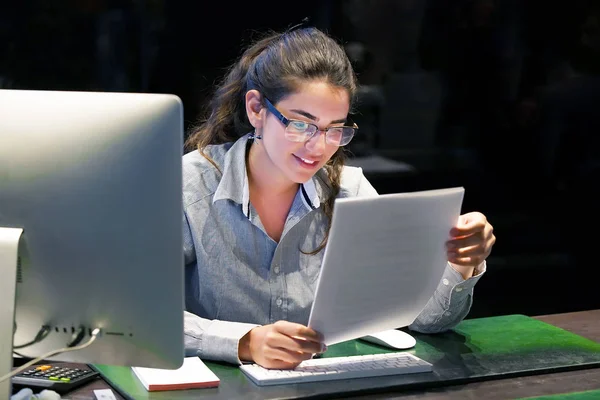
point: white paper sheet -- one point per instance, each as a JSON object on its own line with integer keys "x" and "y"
{"x": 384, "y": 259}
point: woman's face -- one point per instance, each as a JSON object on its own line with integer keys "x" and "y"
{"x": 318, "y": 103}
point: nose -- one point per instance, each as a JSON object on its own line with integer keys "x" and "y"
{"x": 316, "y": 144}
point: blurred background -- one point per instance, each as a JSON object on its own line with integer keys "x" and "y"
{"x": 499, "y": 96}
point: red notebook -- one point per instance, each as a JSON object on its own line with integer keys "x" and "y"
{"x": 192, "y": 374}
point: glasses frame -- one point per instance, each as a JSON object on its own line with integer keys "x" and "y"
{"x": 287, "y": 121}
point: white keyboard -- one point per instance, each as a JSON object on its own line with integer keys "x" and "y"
{"x": 326, "y": 369}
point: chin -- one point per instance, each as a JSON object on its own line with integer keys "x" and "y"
{"x": 299, "y": 177}
{"x": 300, "y": 180}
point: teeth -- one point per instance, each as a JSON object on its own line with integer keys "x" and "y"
{"x": 307, "y": 161}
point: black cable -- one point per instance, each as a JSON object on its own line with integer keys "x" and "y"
{"x": 44, "y": 331}
{"x": 77, "y": 337}
{"x": 20, "y": 355}
{"x": 41, "y": 335}
{"x": 95, "y": 333}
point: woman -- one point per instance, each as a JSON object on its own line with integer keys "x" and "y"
{"x": 259, "y": 191}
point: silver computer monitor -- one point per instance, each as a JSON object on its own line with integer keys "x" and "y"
{"x": 94, "y": 181}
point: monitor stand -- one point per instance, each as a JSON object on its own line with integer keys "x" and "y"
{"x": 9, "y": 248}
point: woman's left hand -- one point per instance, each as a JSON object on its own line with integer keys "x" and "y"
{"x": 470, "y": 243}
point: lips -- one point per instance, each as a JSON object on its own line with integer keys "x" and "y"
{"x": 310, "y": 162}
{"x": 306, "y": 162}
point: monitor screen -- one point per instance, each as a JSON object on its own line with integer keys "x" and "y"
{"x": 94, "y": 181}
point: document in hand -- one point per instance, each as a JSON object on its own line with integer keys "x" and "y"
{"x": 384, "y": 258}
{"x": 191, "y": 375}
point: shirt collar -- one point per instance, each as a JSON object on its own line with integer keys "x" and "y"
{"x": 234, "y": 181}
{"x": 310, "y": 196}
{"x": 233, "y": 172}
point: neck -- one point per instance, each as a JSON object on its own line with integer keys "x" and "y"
{"x": 261, "y": 177}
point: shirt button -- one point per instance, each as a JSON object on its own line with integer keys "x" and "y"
{"x": 279, "y": 302}
{"x": 276, "y": 269}
{"x": 458, "y": 289}
{"x": 445, "y": 281}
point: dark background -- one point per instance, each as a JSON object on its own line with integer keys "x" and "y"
{"x": 499, "y": 96}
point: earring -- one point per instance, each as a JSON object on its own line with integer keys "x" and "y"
{"x": 253, "y": 135}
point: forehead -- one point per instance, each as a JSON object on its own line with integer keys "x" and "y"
{"x": 319, "y": 99}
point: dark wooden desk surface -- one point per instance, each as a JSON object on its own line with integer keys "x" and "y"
{"x": 583, "y": 323}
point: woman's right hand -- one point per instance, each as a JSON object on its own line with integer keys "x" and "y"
{"x": 282, "y": 345}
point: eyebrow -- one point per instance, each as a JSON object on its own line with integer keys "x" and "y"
{"x": 313, "y": 118}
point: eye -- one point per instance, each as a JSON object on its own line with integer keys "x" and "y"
{"x": 336, "y": 133}
{"x": 298, "y": 126}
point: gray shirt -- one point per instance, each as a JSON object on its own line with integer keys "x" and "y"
{"x": 237, "y": 277}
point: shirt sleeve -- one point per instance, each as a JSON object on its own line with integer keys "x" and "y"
{"x": 450, "y": 303}
{"x": 209, "y": 339}
{"x": 189, "y": 254}
{"x": 213, "y": 339}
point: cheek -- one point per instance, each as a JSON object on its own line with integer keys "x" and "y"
{"x": 279, "y": 149}
{"x": 285, "y": 148}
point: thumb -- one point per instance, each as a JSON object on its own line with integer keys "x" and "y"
{"x": 465, "y": 224}
{"x": 464, "y": 220}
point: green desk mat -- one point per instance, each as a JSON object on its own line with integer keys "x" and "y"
{"x": 476, "y": 350}
{"x": 587, "y": 395}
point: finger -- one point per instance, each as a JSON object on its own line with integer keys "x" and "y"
{"x": 491, "y": 238}
{"x": 300, "y": 345}
{"x": 468, "y": 224}
{"x": 467, "y": 241}
{"x": 308, "y": 346}
{"x": 469, "y": 257}
{"x": 293, "y": 329}
{"x": 277, "y": 364}
{"x": 280, "y": 340}
{"x": 286, "y": 355}
{"x": 470, "y": 251}
{"x": 466, "y": 245}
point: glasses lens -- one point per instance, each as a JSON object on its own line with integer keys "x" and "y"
{"x": 335, "y": 135}
{"x": 299, "y": 131}
{"x": 340, "y": 136}
{"x": 297, "y": 127}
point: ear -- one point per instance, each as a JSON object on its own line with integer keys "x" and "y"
{"x": 254, "y": 108}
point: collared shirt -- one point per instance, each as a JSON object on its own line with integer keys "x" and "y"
{"x": 237, "y": 277}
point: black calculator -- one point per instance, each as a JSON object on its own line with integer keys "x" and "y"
{"x": 56, "y": 377}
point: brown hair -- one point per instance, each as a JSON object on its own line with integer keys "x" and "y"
{"x": 276, "y": 65}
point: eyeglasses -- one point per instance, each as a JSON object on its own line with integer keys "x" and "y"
{"x": 301, "y": 131}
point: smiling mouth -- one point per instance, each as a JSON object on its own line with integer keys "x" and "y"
{"x": 306, "y": 161}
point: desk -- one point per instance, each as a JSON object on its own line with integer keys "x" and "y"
{"x": 585, "y": 323}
